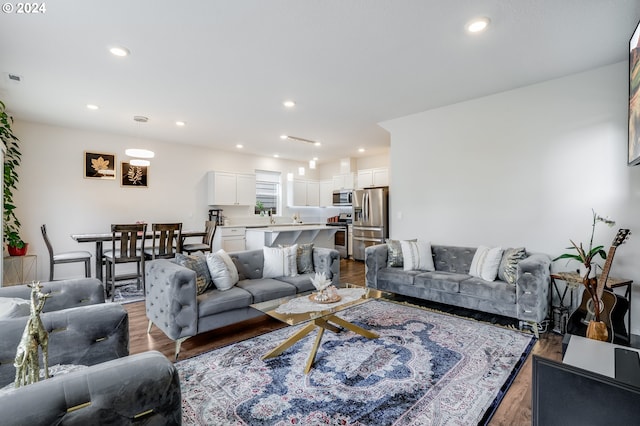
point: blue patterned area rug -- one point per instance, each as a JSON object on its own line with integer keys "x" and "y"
{"x": 426, "y": 368}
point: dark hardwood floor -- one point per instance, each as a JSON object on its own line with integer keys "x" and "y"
{"x": 515, "y": 408}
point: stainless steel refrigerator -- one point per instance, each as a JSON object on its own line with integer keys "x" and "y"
{"x": 370, "y": 218}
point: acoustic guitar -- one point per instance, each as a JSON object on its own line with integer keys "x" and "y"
{"x": 612, "y": 307}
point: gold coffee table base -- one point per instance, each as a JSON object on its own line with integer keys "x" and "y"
{"x": 321, "y": 324}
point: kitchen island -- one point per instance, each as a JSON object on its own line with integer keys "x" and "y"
{"x": 286, "y": 235}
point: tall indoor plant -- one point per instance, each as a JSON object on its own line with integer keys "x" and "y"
{"x": 13, "y": 156}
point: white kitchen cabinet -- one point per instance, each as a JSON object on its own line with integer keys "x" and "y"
{"x": 232, "y": 238}
{"x": 326, "y": 193}
{"x": 344, "y": 181}
{"x": 304, "y": 193}
{"x": 368, "y": 178}
{"x": 236, "y": 189}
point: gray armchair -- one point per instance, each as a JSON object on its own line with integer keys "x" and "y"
{"x": 142, "y": 389}
{"x": 114, "y": 388}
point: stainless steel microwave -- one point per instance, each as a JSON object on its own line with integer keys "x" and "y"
{"x": 343, "y": 197}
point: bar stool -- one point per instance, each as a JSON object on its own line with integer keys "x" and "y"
{"x": 124, "y": 249}
{"x": 66, "y": 257}
{"x": 166, "y": 241}
{"x": 207, "y": 240}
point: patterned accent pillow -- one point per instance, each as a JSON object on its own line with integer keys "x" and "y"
{"x": 394, "y": 253}
{"x": 417, "y": 256}
{"x": 508, "y": 270}
{"x": 305, "y": 258}
{"x": 199, "y": 265}
{"x": 485, "y": 263}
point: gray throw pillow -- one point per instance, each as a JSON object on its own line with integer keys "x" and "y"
{"x": 199, "y": 265}
{"x": 304, "y": 258}
{"x": 508, "y": 269}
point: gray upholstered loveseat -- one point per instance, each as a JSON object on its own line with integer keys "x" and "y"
{"x": 174, "y": 306}
{"x": 451, "y": 284}
{"x": 114, "y": 388}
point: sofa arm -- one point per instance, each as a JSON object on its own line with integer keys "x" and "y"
{"x": 532, "y": 287}
{"x": 64, "y": 294}
{"x": 86, "y": 335}
{"x": 328, "y": 261}
{"x": 171, "y": 300}
{"x": 138, "y": 389}
{"x": 375, "y": 258}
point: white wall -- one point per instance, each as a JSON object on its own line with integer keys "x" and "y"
{"x": 522, "y": 168}
{"x": 52, "y": 189}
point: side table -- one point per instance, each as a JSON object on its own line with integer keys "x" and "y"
{"x": 574, "y": 279}
{"x": 19, "y": 269}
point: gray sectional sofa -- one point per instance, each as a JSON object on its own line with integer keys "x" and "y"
{"x": 114, "y": 388}
{"x": 173, "y": 305}
{"x": 451, "y": 284}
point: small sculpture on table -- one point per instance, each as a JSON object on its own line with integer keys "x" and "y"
{"x": 33, "y": 337}
{"x": 327, "y": 293}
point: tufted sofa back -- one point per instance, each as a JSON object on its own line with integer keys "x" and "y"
{"x": 249, "y": 263}
{"x": 64, "y": 294}
{"x": 452, "y": 258}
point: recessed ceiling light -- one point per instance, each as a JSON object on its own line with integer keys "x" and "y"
{"x": 239, "y": 146}
{"x": 180, "y": 123}
{"x": 283, "y": 137}
{"x": 478, "y": 24}
{"x": 92, "y": 107}
{"x": 276, "y": 155}
{"x": 317, "y": 143}
{"x": 289, "y": 104}
{"x": 119, "y": 51}
{"x": 360, "y": 149}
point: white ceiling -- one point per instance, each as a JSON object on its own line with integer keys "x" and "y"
{"x": 225, "y": 67}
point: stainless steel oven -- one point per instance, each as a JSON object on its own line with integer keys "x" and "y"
{"x": 341, "y": 237}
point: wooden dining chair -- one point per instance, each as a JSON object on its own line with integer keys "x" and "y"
{"x": 167, "y": 238}
{"x": 65, "y": 257}
{"x": 207, "y": 240}
{"x": 124, "y": 249}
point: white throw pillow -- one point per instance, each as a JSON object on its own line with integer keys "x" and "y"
{"x": 233, "y": 271}
{"x": 280, "y": 262}
{"x": 220, "y": 274}
{"x": 486, "y": 262}
{"x": 14, "y": 307}
{"x": 417, "y": 256}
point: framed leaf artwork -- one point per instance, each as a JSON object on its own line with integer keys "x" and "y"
{"x": 134, "y": 176}
{"x": 99, "y": 166}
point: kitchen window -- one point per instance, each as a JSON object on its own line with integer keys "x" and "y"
{"x": 268, "y": 191}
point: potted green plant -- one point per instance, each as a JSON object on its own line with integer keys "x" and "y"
{"x": 11, "y": 225}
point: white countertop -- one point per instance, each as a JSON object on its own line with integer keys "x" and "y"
{"x": 290, "y": 228}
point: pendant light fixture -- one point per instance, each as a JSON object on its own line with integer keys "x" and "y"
{"x": 140, "y": 155}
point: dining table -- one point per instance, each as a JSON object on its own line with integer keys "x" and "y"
{"x": 100, "y": 238}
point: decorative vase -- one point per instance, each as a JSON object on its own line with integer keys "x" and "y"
{"x": 15, "y": 251}
{"x": 597, "y": 330}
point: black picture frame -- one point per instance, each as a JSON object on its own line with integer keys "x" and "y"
{"x": 99, "y": 165}
{"x": 134, "y": 176}
{"x": 634, "y": 98}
